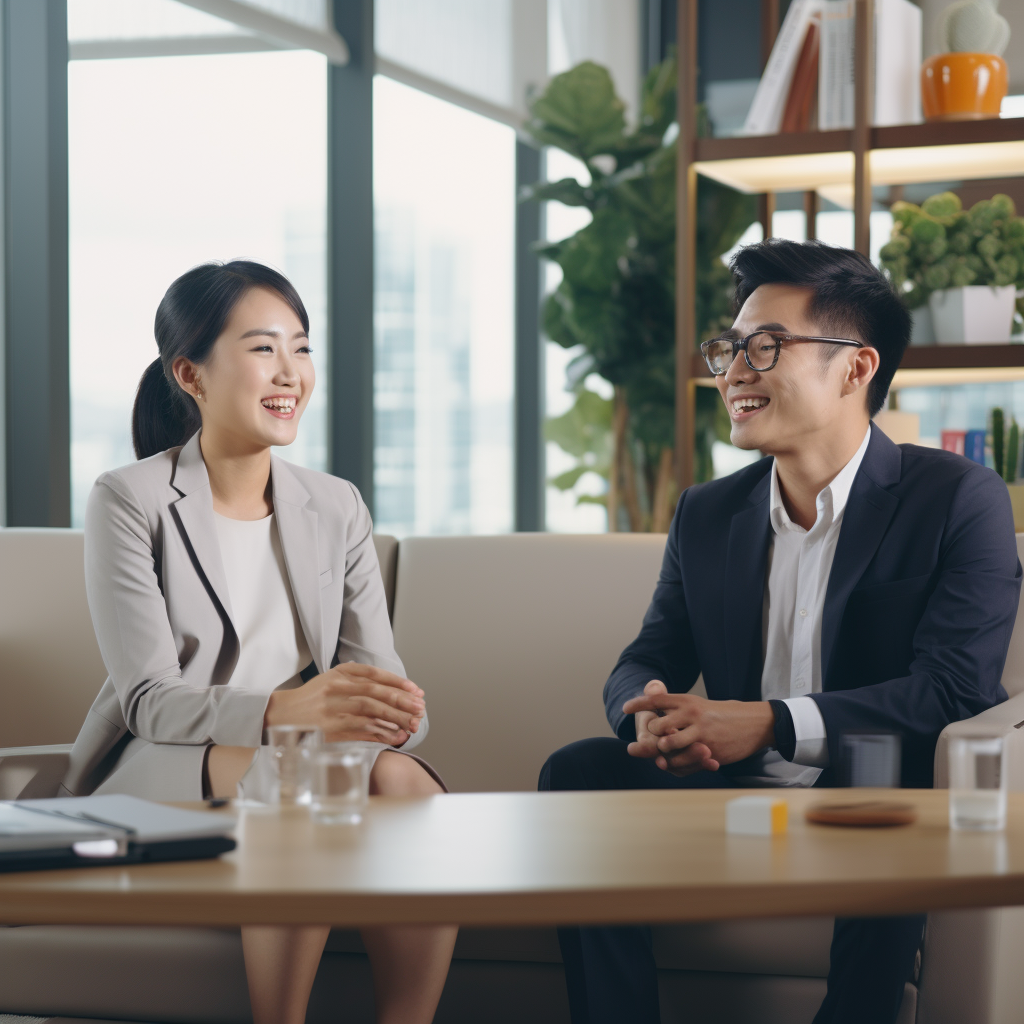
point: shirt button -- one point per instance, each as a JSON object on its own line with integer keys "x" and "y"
{"x": 803, "y": 612}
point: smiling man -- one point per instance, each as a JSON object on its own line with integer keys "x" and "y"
{"x": 841, "y": 584}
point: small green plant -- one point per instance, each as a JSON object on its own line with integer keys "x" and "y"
{"x": 616, "y": 300}
{"x": 974, "y": 26}
{"x": 940, "y": 245}
{"x": 1005, "y": 446}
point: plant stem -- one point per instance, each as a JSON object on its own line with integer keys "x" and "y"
{"x": 619, "y": 416}
{"x": 627, "y": 467}
{"x": 664, "y": 492}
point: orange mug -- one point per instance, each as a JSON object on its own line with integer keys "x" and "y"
{"x": 962, "y": 86}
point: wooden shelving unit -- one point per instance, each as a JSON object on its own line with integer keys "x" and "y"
{"x": 852, "y": 160}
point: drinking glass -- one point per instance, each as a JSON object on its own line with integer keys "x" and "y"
{"x": 291, "y": 750}
{"x": 341, "y": 782}
{"x": 977, "y": 781}
{"x": 870, "y": 759}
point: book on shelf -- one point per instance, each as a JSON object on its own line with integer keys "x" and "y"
{"x": 897, "y": 60}
{"x": 816, "y": 41}
{"x": 767, "y": 109}
{"x": 799, "y": 108}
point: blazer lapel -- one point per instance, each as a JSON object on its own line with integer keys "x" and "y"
{"x": 745, "y": 563}
{"x": 297, "y": 528}
{"x": 869, "y": 510}
{"x": 195, "y": 514}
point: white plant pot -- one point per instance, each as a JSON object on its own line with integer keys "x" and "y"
{"x": 975, "y": 315}
{"x": 921, "y": 330}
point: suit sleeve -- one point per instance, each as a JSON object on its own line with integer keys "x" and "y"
{"x": 365, "y": 635}
{"x": 665, "y": 647}
{"x": 960, "y": 643}
{"x": 135, "y": 639}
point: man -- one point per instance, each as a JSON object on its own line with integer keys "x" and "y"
{"x": 841, "y": 584}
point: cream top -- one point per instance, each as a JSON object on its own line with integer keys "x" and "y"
{"x": 273, "y": 646}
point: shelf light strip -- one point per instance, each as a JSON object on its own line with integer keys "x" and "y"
{"x": 797, "y": 172}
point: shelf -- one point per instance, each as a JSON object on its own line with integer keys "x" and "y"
{"x": 932, "y": 366}
{"x": 936, "y": 151}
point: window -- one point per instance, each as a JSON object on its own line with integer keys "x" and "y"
{"x": 444, "y": 206}
{"x": 175, "y": 161}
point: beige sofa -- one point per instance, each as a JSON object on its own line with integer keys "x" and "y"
{"x": 512, "y": 638}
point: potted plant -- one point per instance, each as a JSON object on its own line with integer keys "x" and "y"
{"x": 616, "y": 300}
{"x": 968, "y": 81}
{"x": 965, "y": 264}
{"x": 1006, "y": 456}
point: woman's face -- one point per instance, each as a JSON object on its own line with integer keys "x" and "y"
{"x": 253, "y": 388}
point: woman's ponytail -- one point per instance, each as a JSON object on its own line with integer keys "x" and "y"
{"x": 162, "y": 418}
{"x": 190, "y": 318}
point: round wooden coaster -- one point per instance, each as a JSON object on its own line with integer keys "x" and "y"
{"x": 865, "y": 814}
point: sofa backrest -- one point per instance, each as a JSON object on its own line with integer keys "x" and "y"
{"x": 50, "y": 666}
{"x": 512, "y": 638}
{"x": 49, "y": 677}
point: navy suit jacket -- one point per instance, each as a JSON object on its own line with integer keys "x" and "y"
{"x": 919, "y": 608}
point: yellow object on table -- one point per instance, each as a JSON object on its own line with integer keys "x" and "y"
{"x": 756, "y": 816}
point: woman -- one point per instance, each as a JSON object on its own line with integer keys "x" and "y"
{"x": 231, "y": 591}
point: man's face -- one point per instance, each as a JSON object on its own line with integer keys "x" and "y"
{"x": 801, "y": 396}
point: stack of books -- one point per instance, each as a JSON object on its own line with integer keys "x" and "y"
{"x": 809, "y": 79}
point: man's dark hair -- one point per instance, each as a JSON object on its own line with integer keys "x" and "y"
{"x": 851, "y": 298}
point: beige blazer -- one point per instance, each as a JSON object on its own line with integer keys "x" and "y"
{"x": 159, "y": 603}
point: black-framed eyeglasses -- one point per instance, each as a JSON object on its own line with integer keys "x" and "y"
{"x": 760, "y": 349}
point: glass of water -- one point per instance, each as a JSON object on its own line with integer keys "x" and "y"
{"x": 977, "y": 781}
{"x": 341, "y": 782}
{"x": 291, "y": 749}
{"x": 870, "y": 759}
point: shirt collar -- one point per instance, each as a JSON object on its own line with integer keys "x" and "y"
{"x": 831, "y": 500}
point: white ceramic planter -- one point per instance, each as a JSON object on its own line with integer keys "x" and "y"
{"x": 975, "y": 315}
{"x": 921, "y": 330}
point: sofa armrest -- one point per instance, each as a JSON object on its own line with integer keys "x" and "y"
{"x": 1007, "y": 717}
{"x": 32, "y": 772}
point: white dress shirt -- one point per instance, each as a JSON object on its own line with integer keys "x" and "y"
{"x": 273, "y": 648}
{"x": 799, "y": 564}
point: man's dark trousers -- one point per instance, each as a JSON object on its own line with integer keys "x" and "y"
{"x": 610, "y": 972}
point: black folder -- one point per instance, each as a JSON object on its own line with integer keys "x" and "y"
{"x": 98, "y": 831}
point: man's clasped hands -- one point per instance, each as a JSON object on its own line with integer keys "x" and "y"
{"x": 683, "y": 733}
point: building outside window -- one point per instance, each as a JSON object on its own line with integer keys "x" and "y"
{"x": 444, "y": 206}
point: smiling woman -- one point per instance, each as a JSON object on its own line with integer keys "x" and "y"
{"x": 261, "y": 369}
{"x": 232, "y": 591}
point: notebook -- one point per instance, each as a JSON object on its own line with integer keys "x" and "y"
{"x": 103, "y": 830}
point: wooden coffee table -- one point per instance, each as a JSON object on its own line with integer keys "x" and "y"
{"x": 512, "y": 859}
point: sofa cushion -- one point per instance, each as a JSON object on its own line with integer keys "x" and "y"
{"x": 512, "y": 638}
{"x": 179, "y": 975}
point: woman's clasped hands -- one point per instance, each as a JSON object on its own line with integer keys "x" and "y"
{"x": 352, "y": 702}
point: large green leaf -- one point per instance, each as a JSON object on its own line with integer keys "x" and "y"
{"x": 585, "y": 429}
{"x": 579, "y": 112}
{"x": 567, "y": 191}
{"x": 657, "y": 112}
{"x": 590, "y": 259}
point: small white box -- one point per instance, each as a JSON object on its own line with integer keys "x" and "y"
{"x": 756, "y": 816}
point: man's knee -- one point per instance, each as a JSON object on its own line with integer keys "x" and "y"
{"x": 581, "y": 765}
